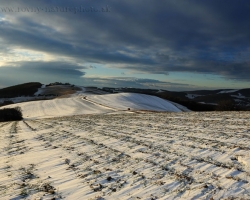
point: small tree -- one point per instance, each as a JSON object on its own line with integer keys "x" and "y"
{"x": 11, "y": 114}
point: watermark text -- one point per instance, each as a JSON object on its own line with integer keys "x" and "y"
{"x": 56, "y": 9}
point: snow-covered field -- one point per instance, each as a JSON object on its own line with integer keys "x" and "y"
{"x": 227, "y": 91}
{"x": 24, "y": 99}
{"x": 183, "y": 155}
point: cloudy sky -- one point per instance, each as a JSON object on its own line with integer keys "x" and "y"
{"x": 168, "y": 44}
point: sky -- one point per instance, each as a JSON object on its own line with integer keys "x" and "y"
{"x": 166, "y": 44}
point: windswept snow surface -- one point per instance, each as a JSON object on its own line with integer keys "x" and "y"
{"x": 40, "y": 90}
{"x": 149, "y": 156}
{"x": 134, "y": 101}
{"x": 240, "y": 96}
{"x": 93, "y": 104}
{"x": 227, "y": 91}
{"x": 181, "y": 107}
{"x": 59, "y": 107}
{"x": 22, "y": 99}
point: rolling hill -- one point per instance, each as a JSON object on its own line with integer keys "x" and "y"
{"x": 198, "y": 100}
{"x": 97, "y": 146}
{"x": 26, "y": 89}
{"x": 93, "y": 104}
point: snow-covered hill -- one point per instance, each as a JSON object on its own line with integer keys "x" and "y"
{"x": 93, "y": 104}
{"x": 134, "y": 101}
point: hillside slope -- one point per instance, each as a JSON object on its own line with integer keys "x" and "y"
{"x": 94, "y": 104}
{"x": 134, "y": 101}
{"x": 59, "y": 107}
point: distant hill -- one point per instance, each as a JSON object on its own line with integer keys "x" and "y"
{"x": 199, "y": 100}
{"x": 212, "y": 98}
{"x": 26, "y": 89}
{"x": 241, "y": 97}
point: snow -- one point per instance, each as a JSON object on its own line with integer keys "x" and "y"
{"x": 22, "y": 99}
{"x": 123, "y": 101}
{"x": 90, "y": 146}
{"x": 240, "y": 96}
{"x": 181, "y": 107}
{"x": 227, "y": 91}
{"x": 192, "y": 96}
{"x": 209, "y": 103}
{"x": 93, "y": 104}
{"x": 40, "y": 90}
{"x": 238, "y": 100}
{"x": 245, "y": 160}
{"x": 159, "y": 91}
{"x": 59, "y": 107}
{"x": 173, "y": 155}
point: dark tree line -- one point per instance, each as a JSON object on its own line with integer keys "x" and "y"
{"x": 223, "y": 105}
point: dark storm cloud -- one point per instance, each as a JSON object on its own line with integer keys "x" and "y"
{"x": 196, "y": 36}
{"x": 41, "y": 42}
{"x": 233, "y": 71}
